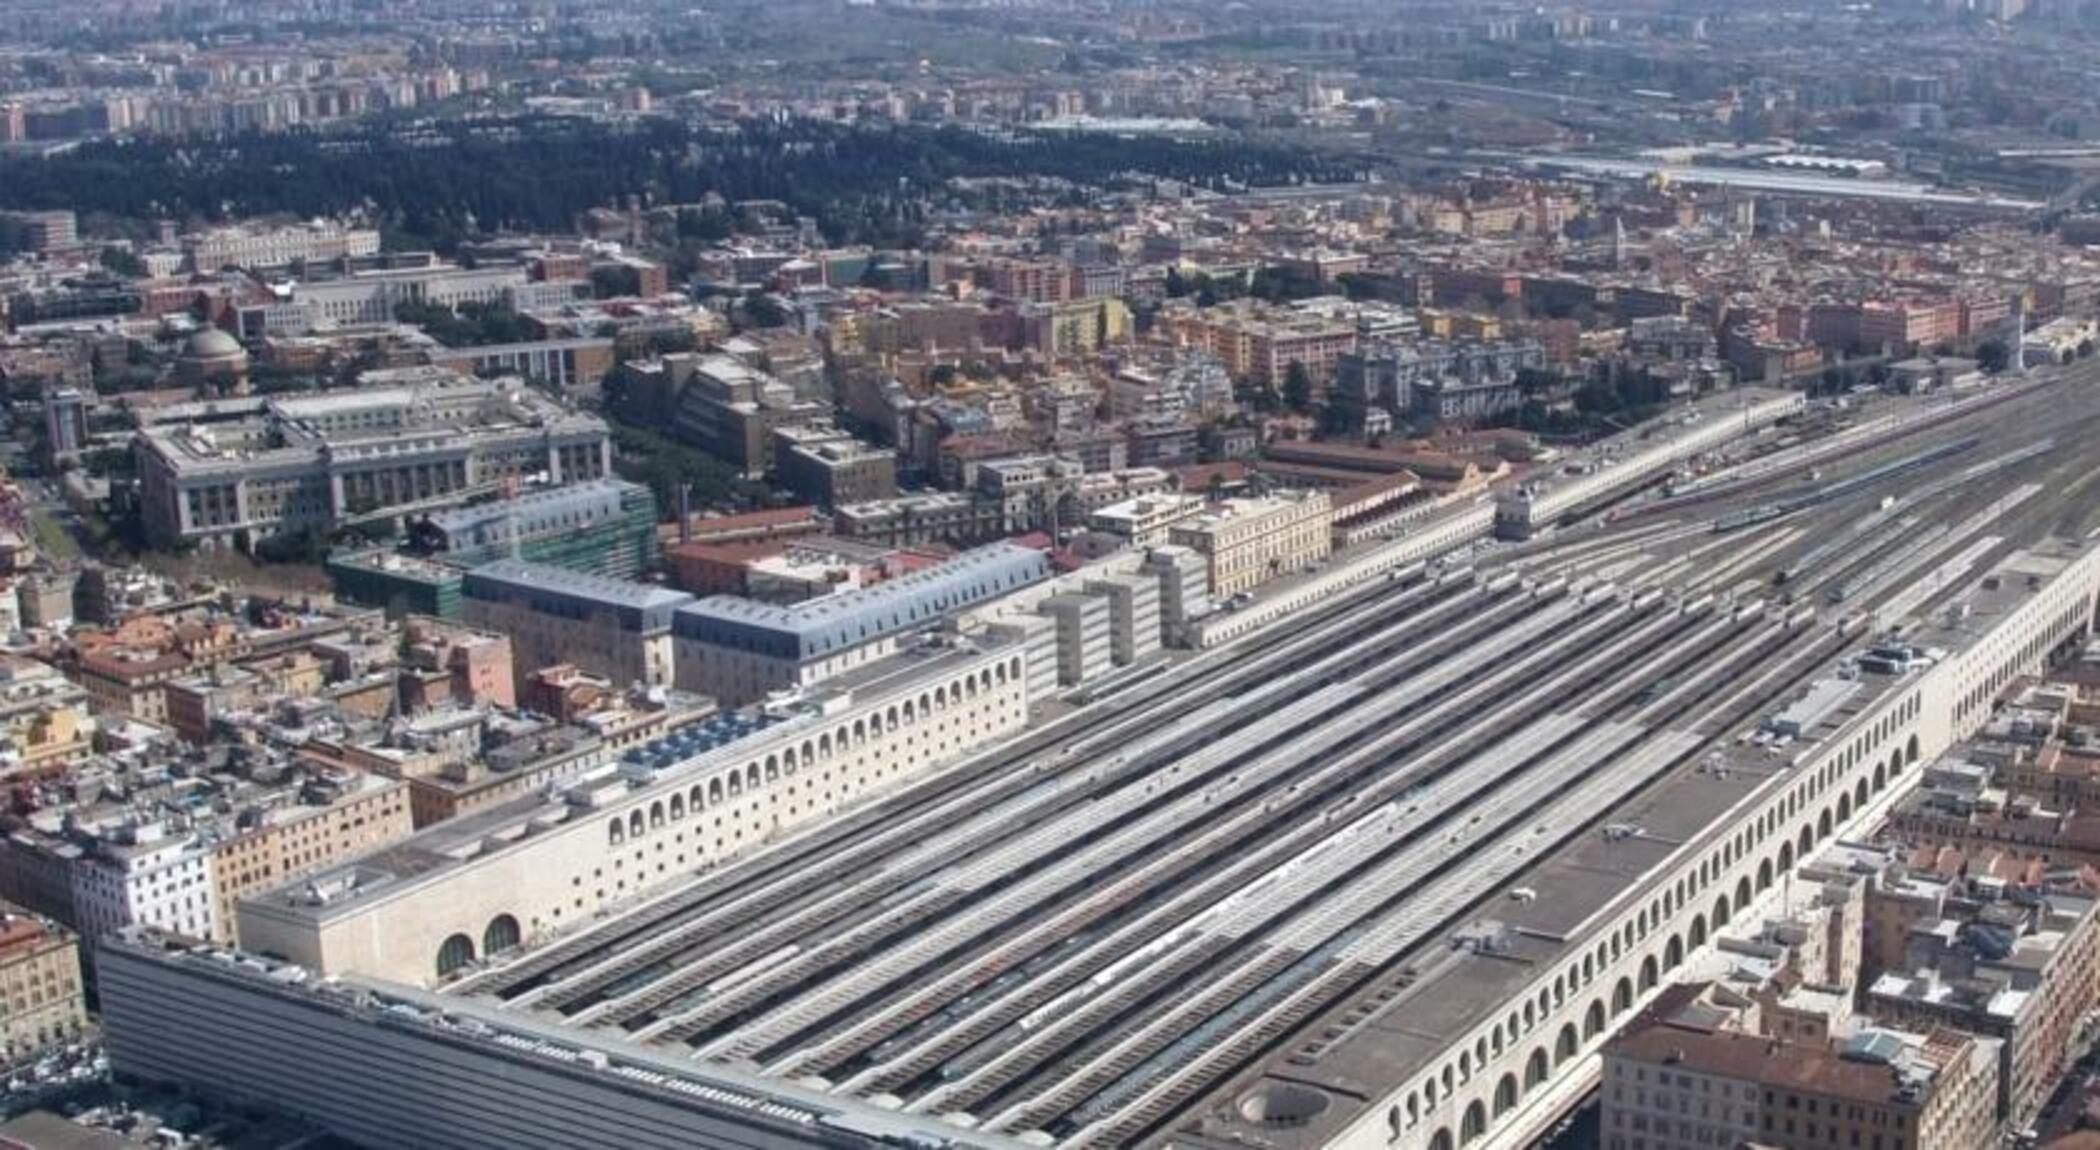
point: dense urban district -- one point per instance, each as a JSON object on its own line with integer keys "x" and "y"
{"x": 949, "y": 575}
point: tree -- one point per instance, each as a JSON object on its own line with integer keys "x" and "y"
{"x": 1536, "y": 380}
{"x": 1992, "y": 356}
{"x": 123, "y": 262}
{"x": 763, "y": 310}
{"x": 432, "y": 184}
{"x": 1297, "y": 388}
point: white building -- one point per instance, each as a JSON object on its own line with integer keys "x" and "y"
{"x": 146, "y": 877}
{"x": 417, "y": 437}
{"x": 245, "y": 247}
{"x": 1148, "y": 520}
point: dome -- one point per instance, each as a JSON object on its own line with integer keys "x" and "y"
{"x": 1282, "y": 1104}
{"x": 211, "y": 343}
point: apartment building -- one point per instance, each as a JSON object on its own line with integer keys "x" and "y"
{"x": 40, "y": 987}
{"x": 1247, "y": 542}
{"x": 1682, "y": 1077}
{"x": 44, "y": 720}
{"x": 1259, "y": 345}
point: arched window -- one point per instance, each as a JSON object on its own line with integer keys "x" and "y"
{"x": 501, "y": 935}
{"x": 1474, "y": 1125}
{"x": 456, "y": 952}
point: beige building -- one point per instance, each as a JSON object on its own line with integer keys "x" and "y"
{"x": 1683, "y": 1077}
{"x": 40, "y": 998}
{"x": 44, "y": 722}
{"x": 365, "y": 813}
{"x": 1259, "y": 344}
{"x": 1247, "y": 542}
{"x": 457, "y": 892}
{"x": 610, "y": 627}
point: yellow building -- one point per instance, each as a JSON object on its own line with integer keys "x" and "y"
{"x": 1247, "y": 542}
{"x": 1438, "y": 323}
{"x": 44, "y": 717}
{"x": 40, "y": 998}
{"x": 1078, "y": 328}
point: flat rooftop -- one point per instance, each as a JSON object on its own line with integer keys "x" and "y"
{"x": 685, "y": 752}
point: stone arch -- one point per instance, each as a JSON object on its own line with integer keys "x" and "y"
{"x": 1474, "y": 1125}
{"x": 1650, "y": 974}
{"x": 1441, "y": 1140}
{"x": 501, "y": 934}
{"x": 1844, "y": 807}
{"x": 1673, "y": 953}
{"x": 1536, "y": 1068}
{"x": 1860, "y": 794}
{"x": 656, "y": 814}
{"x": 455, "y": 952}
{"x": 1881, "y": 775}
{"x": 1786, "y": 857}
{"x": 634, "y": 825}
{"x": 1910, "y": 753}
{"x": 1593, "y": 1020}
{"x": 1696, "y": 936}
{"x": 1721, "y": 909}
{"x": 1825, "y": 824}
{"x": 1621, "y": 997}
{"x": 615, "y": 833}
{"x": 677, "y": 806}
{"x": 1742, "y": 891}
{"x": 1505, "y": 1095}
{"x": 1566, "y": 1045}
{"x": 1764, "y": 875}
{"x": 1807, "y": 840}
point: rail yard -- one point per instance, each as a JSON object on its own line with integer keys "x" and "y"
{"x": 1387, "y": 873}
